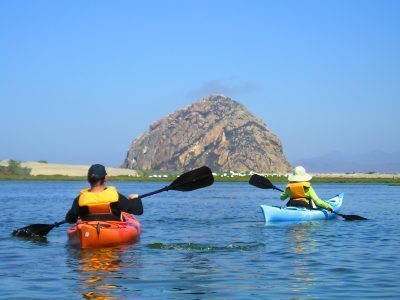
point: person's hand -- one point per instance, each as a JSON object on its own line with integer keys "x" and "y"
{"x": 330, "y": 209}
{"x": 133, "y": 196}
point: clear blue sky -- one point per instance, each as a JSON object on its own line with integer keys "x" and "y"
{"x": 80, "y": 79}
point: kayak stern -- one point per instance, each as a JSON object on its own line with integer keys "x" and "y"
{"x": 96, "y": 234}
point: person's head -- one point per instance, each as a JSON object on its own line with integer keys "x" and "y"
{"x": 97, "y": 175}
{"x": 299, "y": 175}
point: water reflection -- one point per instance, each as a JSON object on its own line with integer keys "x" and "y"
{"x": 302, "y": 247}
{"x": 100, "y": 270}
{"x": 199, "y": 269}
{"x": 37, "y": 240}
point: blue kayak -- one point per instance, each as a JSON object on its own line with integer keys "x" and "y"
{"x": 295, "y": 214}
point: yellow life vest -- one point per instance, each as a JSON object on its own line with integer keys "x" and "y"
{"x": 99, "y": 202}
{"x": 297, "y": 191}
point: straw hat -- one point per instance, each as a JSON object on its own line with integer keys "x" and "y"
{"x": 299, "y": 174}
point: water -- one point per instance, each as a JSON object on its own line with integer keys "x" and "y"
{"x": 204, "y": 244}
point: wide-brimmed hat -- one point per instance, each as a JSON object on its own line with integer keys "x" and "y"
{"x": 299, "y": 174}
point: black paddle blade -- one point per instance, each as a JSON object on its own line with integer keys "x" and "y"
{"x": 193, "y": 180}
{"x": 261, "y": 182}
{"x": 352, "y": 217}
{"x": 33, "y": 230}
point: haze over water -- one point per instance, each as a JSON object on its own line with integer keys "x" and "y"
{"x": 204, "y": 244}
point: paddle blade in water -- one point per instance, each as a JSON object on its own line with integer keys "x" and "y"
{"x": 33, "y": 230}
{"x": 350, "y": 217}
{"x": 193, "y": 180}
{"x": 353, "y": 217}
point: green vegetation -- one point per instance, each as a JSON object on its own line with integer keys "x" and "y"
{"x": 15, "y": 172}
{"x": 14, "y": 169}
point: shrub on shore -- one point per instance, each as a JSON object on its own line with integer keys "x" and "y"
{"x": 14, "y": 168}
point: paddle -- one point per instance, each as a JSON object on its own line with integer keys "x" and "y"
{"x": 189, "y": 181}
{"x": 264, "y": 183}
{"x": 350, "y": 217}
{"x": 35, "y": 230}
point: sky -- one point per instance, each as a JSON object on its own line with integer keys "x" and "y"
{"x": 79, "y": 80}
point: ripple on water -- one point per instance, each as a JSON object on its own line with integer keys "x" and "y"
{"x": 201, "y": 247}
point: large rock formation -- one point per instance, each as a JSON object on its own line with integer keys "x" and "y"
{"x": 215, "y": 131}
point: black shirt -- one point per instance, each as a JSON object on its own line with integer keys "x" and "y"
{"x": 134, "y": 206}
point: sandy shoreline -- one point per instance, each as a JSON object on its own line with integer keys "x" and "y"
{"x": 356, "y": 175}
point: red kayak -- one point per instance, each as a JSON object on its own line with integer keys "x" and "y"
{"x": 97, "y": 234}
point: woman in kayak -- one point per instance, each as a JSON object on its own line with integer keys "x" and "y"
{"x": 300, "y": 191}
{"x": 100, "y": 202}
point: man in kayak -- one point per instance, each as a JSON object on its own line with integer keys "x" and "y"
{"x": 100, "y": 202}
{"x": 300, "y": 191}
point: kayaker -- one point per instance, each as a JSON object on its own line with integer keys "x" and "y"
{"x": 100, "y": 202}
{"x": 300, "y": 191}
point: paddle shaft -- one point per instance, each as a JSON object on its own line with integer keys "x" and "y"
{"x": 278, "y": 189}
{"x": 275, "y": 188}
{"x": 189, "y": 181}
{"x": 336, "y": 213}
{"x": 59, "y": 223}
{"x": 166, "y": 188}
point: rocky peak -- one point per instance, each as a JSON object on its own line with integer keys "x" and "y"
{"x": 215, "y": 131}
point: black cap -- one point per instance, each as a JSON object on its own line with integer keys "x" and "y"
{"x": 97, "y": 172}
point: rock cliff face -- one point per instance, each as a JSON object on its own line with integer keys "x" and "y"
{"x": 215, "y": 131}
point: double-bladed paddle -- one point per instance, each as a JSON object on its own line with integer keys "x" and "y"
{"x": 264, "y": 183}
{"x": 189, "y": 181}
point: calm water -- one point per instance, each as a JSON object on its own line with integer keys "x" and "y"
{"x": 205, "y": 244}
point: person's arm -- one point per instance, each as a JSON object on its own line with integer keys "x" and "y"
{"x": 318, "y": 202}
{"x": 131, "y": 205}
{"x": 73, "y": 214}
{"x": 285, "y": 194}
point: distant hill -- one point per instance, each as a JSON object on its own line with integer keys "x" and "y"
{"x": 215, "y": 131}
{"x": 374, "y": 161}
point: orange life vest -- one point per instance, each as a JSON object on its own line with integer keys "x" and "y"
{"x": 297, "y": 191}
{"x": 99, "y": 202}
